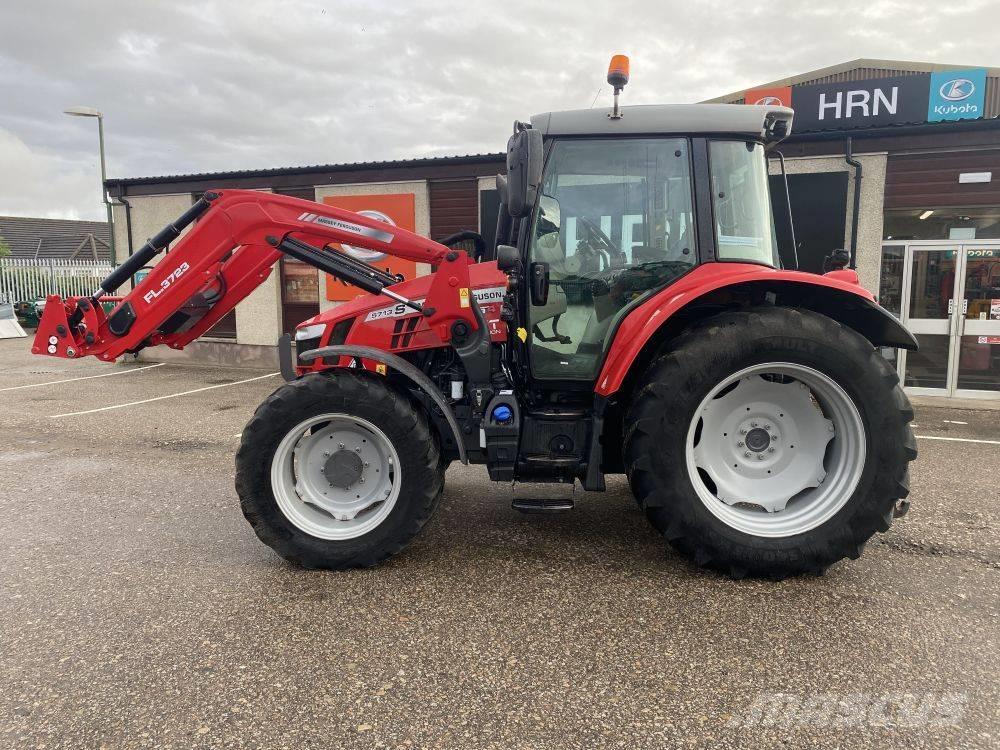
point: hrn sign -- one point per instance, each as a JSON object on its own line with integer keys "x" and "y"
{"x": 858, "y": 103}
{"x": 852, "y": 104}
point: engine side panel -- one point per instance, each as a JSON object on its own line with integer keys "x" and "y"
{"x": 391, "y": 326}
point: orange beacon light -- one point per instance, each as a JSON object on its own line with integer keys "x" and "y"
{"x": 617, "y": 77}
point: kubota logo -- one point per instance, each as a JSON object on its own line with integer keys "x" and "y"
{"x": 770, "y": 101}
{"x": 957, "y": 89}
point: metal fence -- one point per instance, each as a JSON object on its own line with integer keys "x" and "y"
{"x": 26, "y": 279}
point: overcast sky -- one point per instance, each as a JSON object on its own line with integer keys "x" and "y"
{"x": 216, "y": 85}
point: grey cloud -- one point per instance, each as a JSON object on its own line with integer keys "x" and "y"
{"x": 211, "y": 85}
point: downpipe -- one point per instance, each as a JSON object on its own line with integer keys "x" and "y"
{"x": 858, "y": 170}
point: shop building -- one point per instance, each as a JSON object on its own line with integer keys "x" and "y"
{"x": 901, "y": 162}
{"x": 892, "y": 160}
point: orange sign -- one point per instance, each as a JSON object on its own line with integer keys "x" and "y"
{"x": 399, "y": 210}
{"x": 778, "y": 96}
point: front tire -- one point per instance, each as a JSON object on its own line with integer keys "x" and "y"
{"x": 770, "y": 442}
{"x": 338, "y": 470}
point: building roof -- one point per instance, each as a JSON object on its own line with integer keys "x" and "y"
{"x": 661, "y": 118}
{"x": 56, "y": 238}
{"x": 859, "y": 70}
{"x": 312, "y": 169}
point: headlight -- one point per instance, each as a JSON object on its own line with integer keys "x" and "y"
{"x": 310, "y": 332}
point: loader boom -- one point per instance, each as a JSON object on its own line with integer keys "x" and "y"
{"x": 236, "y": 237}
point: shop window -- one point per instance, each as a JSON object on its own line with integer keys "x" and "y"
{"x": 299, "y": 293}
{"x": 979, "y": 363}
{"x": 489, "y": 209}
{"x": 890, "y": 285}
{"x": 225, "y": 328}
{"x": 927, "y": 367}
{"x": 942, "y": 224}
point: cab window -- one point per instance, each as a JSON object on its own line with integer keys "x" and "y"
{"x": 614, "y": 224}
{"x": 741, "y": 203}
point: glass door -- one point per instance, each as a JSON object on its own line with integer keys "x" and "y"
{"x": 929, "y": 298}
{"x": 977, "y": 371}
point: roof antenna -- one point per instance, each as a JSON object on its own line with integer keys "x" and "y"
{"x": 617, "y": 77}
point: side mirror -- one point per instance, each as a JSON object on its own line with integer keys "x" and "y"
{"x": 524, "y": 171}
{"x": 508, "y": 258}
{"x": 836, "y": 261}
{"x": 539, "y": 284}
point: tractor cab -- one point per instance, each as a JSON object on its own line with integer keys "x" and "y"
{"x": 628, "y": 205}
{"x": 610, "y": 208}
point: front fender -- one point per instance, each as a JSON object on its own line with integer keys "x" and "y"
{"x": 835, "y": 295}
{"x": 404, "y": 368}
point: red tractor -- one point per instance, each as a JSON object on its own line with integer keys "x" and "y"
{"x": 633, "y": 317}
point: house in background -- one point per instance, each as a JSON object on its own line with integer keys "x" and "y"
{"x": 40, "y": 239}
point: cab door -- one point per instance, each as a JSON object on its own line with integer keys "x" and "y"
{"x": 614, "y": 223}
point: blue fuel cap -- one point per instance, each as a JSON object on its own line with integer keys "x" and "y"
{"x": 502, "y": 413}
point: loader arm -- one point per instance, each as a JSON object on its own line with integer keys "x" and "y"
{"x": 236, "y": 237}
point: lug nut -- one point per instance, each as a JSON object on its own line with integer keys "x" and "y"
{"x": 770, "y": 450}
{"x": 341, "y": 446}
{"x": 747, "y": 454}
{"x": 760, "y": 456}
{"x": 743, "y": 432}
{"x": 753, "y": 424}
{"x": 739, "y": 444}
{"x": 358, "y": 449}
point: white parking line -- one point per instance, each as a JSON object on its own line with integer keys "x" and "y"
{"x": 958, "y": 440}
{"x": 161, "y": 398}
{"x": 85, "y": 377}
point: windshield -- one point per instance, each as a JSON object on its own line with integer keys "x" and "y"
{"x": 614, "y": 224}
{"x": 744, "y": 226}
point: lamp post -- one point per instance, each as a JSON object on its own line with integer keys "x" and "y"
{"x": 91, "y": 112}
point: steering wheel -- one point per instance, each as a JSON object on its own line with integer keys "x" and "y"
{"x": 597, "y": 232}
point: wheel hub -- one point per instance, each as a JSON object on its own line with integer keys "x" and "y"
{"x": 758, "y": 439}
{"x": 344, "y": 468}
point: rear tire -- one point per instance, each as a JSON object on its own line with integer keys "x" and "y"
{"x": 338, "y": 470}
{"x": 685, "y": 430}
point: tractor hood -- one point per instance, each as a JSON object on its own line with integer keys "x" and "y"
{"x": 379, "y": 321}
{"x": 484, "y": 276}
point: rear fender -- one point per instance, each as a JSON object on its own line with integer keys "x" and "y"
{"x": 709, "y": 289}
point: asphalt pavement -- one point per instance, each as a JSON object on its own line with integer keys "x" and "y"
{"x": 138, "y": 609}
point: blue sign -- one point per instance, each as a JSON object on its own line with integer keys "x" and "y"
{"x": 956, "y": 95}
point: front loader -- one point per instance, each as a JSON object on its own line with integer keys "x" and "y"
{"x": 633, "y": 317}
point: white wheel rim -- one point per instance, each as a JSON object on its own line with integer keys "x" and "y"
{"x": 775, "y": 449}
{"x": 335, "y": 476}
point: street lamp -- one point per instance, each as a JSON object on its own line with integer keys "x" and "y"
{"x": 91, "y": 112}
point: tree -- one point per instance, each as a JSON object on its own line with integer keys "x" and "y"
{"x": 4, "y": 247}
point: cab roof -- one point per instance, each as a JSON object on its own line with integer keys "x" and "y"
{"x": 752, "y": 121}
